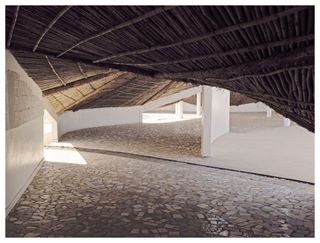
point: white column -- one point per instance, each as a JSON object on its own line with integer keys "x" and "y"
{"x": 286, "y": 122}
{"x": 269, "y": 112}
{"x": 179, "y": 109}
{"x": 215, "y": 117}
{"x": 198, "y": 104}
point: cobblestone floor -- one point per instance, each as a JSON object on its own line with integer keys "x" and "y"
{"x": 247, "y": 148}
{"x": 180, "y": 140}
{"x": 116, "y": 196}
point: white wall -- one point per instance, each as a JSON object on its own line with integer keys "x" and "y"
{"x": 251, "y": 107}
{"x": 24, "y": 130}
{"x": 189, "y": 108}
{"x": 70, "y": 121}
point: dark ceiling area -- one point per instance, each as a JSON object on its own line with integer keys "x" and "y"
{"x": 99, "y": 56}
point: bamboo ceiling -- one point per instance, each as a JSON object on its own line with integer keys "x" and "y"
{"x": 96, "y": 56}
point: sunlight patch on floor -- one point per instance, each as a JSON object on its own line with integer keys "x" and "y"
{"x": 166, "y": 117}
{"x": 63, "y": 156}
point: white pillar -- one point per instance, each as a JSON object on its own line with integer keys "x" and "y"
{"x": 215, "y": 117}
{"x": 269, "y": 112}
{"x": 179, "y": 109}
{"x": 286, "y": 122}
{"x": 198, "y": 104}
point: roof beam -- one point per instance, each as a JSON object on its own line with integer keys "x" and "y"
{"x": 124, "y": 68}
{"x": 230, "y": 52}
{"x": 59, "y": 15}
{"x": 163, "y": 89}
{"x": 113, "y": 94}
{"x": 277, "y": 61}
{"x": 16, "y": 12}
{"x": 208, "y": 35}
{"x": 266, "y": 97}
{"x": 55, "y": 72}
{"x": 260, "y": 75}
{"x": 96, "y": 91}
{"x": 75, "y": 84}
{"x": 81, "y": 70}
{"x": 119, "y": 26}
{"x": 68, "y": 96}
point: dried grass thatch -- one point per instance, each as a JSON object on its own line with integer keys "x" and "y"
{"x": 263, "y": 52}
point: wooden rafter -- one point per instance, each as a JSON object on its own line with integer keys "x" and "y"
{"x": 261, "y": 75}
{"x": 256, "y": 95}
{"x": 80, "y": 82}
{"x": 81, "y": 70}
{"x": 143, "y": 92}
{"x": 163, "y": 89}
{"x": 119, "y": 26}
{"x": 111, "y": 96}
{"x": 238, "y": 51}
{"x": 58, "y": 102}
{"x": 96, "y": 91}
{"x": 68, "y": 96}
{"x": 55, "y": 72}
{"x": 277, "y": 61}
{"x": 208, "y": 35}
{"x": 16, "y": 13}
{"x": 59, "y": 15}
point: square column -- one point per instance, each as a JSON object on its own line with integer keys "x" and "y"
{"x": 198, "y": 104}
{"x": 215, "y": 117}
{"x": 286, "y": 122}
{"x": 269, "y": 112}
{"x": 179, "y": 109}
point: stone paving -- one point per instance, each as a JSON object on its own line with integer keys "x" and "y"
{"x": 180, "y": 140}
{"x": 117, "y": 196}
{"x": 246, "y": 148}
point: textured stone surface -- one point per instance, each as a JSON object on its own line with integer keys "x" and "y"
{"x": 247, "y": 147}
{"x": 115, "y": 196}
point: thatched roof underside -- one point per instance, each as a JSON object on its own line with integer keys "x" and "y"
{"x": 99, "y": 56}
{"x": 235, "y": 99}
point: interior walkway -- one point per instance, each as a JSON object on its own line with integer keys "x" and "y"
{"x": 255, "y": 144}
{"x": 95, "y": 194}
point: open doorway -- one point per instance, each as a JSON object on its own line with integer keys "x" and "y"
{"x": 50, "y": 130}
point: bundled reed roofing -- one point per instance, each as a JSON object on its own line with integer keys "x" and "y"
{"x": 263, "y": 52}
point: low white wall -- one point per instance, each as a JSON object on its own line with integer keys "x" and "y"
{"x": 24, "y": 130}
{"x": 251, "y": 107}
{"x": 70, "y": 121}
{"x": 171, "y": 108}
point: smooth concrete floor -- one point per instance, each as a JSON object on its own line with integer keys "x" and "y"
{"x": 255, "y": 143}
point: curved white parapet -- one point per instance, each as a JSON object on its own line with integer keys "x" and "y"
{"x": 98, "y": 117}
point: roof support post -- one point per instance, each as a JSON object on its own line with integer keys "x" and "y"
{"x": 179, "y": 109}
{"x": 199, "y": 104}
{"x": 286, "y": 122}
{"x": 215, "y": 117}
{"x": 269, "y": 112}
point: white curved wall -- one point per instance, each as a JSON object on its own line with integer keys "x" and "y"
{"x": 251, "y": 107}
{"x": 71, "y": 121}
